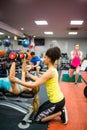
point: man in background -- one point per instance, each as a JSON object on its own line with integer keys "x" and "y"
{"x": 36, "y": 63}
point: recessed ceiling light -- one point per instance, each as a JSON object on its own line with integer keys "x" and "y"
{"x": 1, "y": 33}
{"x": 73, "y": 33}
{"x": 41, "y": 22}
{"x": 76, "y": 22}
{"x": 48, "y": 33}
{"x": 22, "y": 29}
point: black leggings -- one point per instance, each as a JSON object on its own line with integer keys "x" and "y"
{"x": 49, "y": 108}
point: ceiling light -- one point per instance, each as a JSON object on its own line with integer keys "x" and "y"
{"x": 15, "y": 38}
{"x": 73, "y": 33}
{"x": 48, "y": 33}
{"x": 1, "y": 33}
{"x": 41, "y": 22}
{"x": 22, "y": 29}
{"x": 76, "y": 22}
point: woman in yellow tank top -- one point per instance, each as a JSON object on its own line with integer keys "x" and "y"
{"x": 56, "y": 102}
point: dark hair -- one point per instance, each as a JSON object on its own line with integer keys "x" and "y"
{"x": 32, "y": 53}
{"x": 53, "y": 53}
{"x": 28, "y": 51}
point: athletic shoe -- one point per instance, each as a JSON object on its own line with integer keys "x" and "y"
{"x": 64, "y": 116}
{"x": 76, "y": 84}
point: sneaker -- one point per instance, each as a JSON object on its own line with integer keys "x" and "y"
{"x": 76, "y": 84}
{"x": 64, "y": 116}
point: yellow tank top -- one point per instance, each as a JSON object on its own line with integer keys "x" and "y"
{"x": 53, "y": 90}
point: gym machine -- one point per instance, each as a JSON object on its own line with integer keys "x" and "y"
{"x": 21, "y": 103}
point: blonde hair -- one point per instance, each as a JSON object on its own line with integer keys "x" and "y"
{"x": 77, "y": 44}
{"x": 36, "y": 100}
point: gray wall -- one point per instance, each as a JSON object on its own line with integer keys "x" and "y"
{"x": 66, "y": 45}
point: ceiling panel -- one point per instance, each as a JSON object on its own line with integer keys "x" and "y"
{"x": 58, "y": 13}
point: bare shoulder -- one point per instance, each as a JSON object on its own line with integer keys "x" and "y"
{"x": 48, "y": 74}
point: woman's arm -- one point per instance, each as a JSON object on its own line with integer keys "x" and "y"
{"x": 32, "y": 76}
{"x": 72, "y": 54}
{"x": 81, "y": 55}
{"x": 46, "y": 76}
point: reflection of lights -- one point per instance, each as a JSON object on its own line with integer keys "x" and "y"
{"x": 72, "y": 33}
{"x": 1, "y": 33}
{"x": 54, "y": 40}
{"x": 48, "y": 33}
{"x": 15, "y": 38}
{"x": 8, "y": 37}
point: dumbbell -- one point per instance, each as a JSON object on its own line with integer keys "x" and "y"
{"x": 2, "y": 53}
{"x": 12, "y": 56}
{"x": 25, "y": 55}
{"x": 85, "y": 91}
{"x": 20, "y": 55}
{"x": 85, "y": 88}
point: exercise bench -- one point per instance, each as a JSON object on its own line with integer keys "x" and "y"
{"x": 19, "y": 103}
{"x": 66, "y": 78}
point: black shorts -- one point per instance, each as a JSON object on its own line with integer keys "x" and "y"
{"x": 73, "y": 67}
{"x": 49, "y": 108}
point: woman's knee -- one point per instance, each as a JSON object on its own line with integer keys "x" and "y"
{"x": 70, "y": 74}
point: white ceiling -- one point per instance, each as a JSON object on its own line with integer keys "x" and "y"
{"x": 58, "y": 13}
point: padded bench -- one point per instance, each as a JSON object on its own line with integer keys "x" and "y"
{"x": 66, "y": 78}
{"x": 23, "y": 94}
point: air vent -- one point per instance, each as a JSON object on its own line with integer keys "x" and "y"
{"x": 73, "y": 29}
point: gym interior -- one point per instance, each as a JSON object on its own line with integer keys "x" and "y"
{"x": 37, "y": 26}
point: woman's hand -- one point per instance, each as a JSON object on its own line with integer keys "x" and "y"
{"x": 12, "y": 78}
